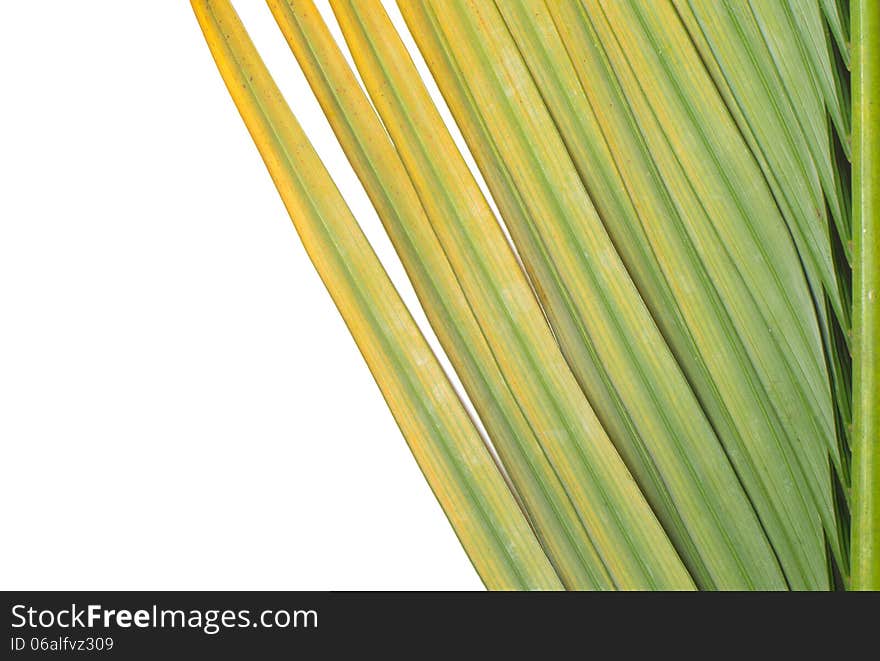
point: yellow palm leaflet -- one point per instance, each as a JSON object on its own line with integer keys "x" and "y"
{"x": 609, "y": 337}
{"x": 447, "y": 446}
{"x": 632, "y": 545}
{"x": 386, "y": 181}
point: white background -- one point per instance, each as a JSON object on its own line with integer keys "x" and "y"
{"x": 180, "y": 404}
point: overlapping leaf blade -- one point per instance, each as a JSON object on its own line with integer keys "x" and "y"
{"x": 610, "y": 339}
{"x": 384, "y": 176}
{"x": 443, "y": 439}
{"x": 797, "y": 163}
{"x": 654, "y": 100}
{"x": 604, "y": 497}
{"x": 675, "y": 177}
{"x": 774, "y": 64}
{"x": 836, "y": 13}
{"x": 806, "y": 26}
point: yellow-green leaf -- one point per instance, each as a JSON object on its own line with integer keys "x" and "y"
{"x": 632, "y": 545}
{"x": 607, "y": 334}
{"x": 447, "y": 446}
{"x": 386, "y": 181}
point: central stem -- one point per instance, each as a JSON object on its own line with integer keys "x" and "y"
{"x": 866, "y": 295}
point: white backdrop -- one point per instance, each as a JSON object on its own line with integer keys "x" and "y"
{"x": 181, "y": 406}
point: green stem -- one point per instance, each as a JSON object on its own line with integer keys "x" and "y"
{"x": 866, "y": 295}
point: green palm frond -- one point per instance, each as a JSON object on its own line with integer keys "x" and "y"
{"x": 661, "y": 358}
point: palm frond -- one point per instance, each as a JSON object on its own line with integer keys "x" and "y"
{"x": 662, "y": 358}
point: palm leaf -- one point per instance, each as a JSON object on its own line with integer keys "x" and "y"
{"x": 512, "y": 429}
{"x": 614, "y": 514}
{"x": 443, "y": 439}
{"x": 662, "y": 358}
{"x": 608, "y": 335}
{"x": 701, "y": 304}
